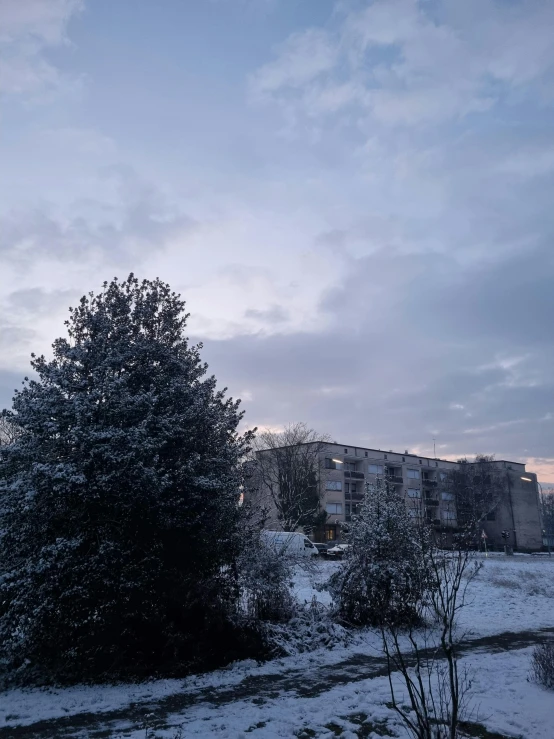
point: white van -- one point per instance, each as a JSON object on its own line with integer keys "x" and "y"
{"x": 291, "y": 544}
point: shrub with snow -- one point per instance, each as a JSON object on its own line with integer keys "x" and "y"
{"x": 311, "y": 627}
{"x": 384, "y": 575}
{"x": 265, "y": 580}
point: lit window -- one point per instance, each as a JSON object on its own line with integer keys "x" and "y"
{"x": 413, "y": 474}
{"x": 414, "y": 493}
{"x": 333, "y": 507}
{"x": 447, "y": 496}
{"x": 376, "y": 469}
{"x": 333, "y": 485}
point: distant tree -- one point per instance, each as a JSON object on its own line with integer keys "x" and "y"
{"x": 120, "y": 528}
{"x": 383, "y": 577}
{"x": 547, "y": 513}
{"x": 289, "y": 475}
{"x": 478, "y": 488}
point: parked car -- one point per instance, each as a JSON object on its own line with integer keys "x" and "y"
{"x": 321, "y": 548}
{"x": 289, "y": 543}
{"x": 338, "y": 550}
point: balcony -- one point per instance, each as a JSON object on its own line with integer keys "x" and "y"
{"x": 431, "y": 502}
{"x": 354, "y": 475}
{"x": 430, "y": 483}
{"x": 396, "y": 479}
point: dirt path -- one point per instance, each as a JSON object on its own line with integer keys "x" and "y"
{"x": 301, "y": 683}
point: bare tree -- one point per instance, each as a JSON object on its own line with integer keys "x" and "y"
{"x": 9, "y": 430}
{"x": 438, "y": 691}
{"x": 477, "y": 488}
{"x": 288, "y": 475}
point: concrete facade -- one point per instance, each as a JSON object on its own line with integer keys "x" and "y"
{"x": 346, "y": 470}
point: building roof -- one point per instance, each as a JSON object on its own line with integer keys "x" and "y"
{"x": 391, "y": 451}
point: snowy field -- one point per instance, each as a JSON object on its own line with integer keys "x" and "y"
{"x": 325, "y": 693}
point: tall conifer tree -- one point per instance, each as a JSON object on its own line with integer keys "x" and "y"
{"x": 119, "y": 496}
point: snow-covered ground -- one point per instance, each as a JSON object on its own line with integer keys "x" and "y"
{"x": 510, "y": 594}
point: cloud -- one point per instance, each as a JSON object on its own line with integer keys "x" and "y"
{"x": 301, "y": 59}
{"x": 28, "y": 28}
{"x": 134, "y": 221}
{"x": 275, "y": 314}
{"x": 412, "y": 63}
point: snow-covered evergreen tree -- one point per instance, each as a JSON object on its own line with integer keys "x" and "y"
{"x": 383, "y": 576}
{"x": 120, "y": 524}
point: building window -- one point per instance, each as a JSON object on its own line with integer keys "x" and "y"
{"x": 448, "y": 516}
{"x": 375, "y": 469}
{"x": 447, "y": 496}
{"x": 413, "y": 474}
{"x": 420, "y": 461}
{"x": 333, "y": 485}
{"x": 331, "y": 464}
{"x": 386, "y": 456}
{"x": 413, "y": 512}
{"x": 436, "y": 464}
{"x": 333, "y": 507}
{"x": 347, "y": 508}
{"x": 443, "y": 476}
{"x": 330, "y": 534}
{"x": 403, "y": 459}
{"x": 346, "y": 487}
{"x": 346, "y": 451}
{"x": 353, "y": 487}
{"x": 365, "y": 454}
{"x": 414, "y": 493}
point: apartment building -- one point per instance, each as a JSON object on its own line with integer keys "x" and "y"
{"x": 347, "y": 469}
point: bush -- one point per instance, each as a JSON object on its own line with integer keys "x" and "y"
{"x": 264, "y": 578}
{"x": 542, "y": 665}
{"x": 384, "y": 576}
{"x": 311, "y": 627}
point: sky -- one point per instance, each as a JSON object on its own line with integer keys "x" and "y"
{"x": 353, "y": 197}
